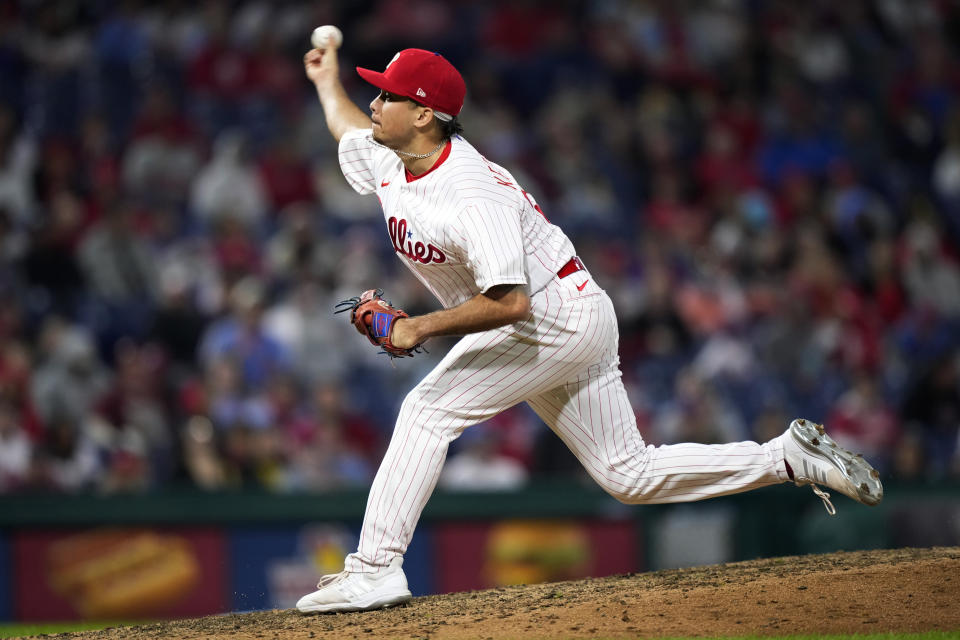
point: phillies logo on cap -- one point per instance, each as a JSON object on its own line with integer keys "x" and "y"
{"x": 423, "y": 76}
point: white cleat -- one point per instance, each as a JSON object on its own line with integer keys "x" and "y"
{"x": 816, "y": 459}
{"x": 347, "y": 591}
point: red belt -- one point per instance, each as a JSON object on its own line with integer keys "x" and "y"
{"x": 573, "y": 265}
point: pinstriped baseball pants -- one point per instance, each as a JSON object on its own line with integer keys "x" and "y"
{"x": 563, "y": 362}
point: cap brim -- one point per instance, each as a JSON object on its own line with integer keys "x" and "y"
{"x": 380, "y": 81}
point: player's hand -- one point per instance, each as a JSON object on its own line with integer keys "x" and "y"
{"x": 321, "y": 65}
{"x": 403, "y": 335}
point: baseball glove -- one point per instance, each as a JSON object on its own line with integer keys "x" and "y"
{"x": 373, "y": 317}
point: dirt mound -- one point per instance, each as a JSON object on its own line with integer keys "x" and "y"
{"x": 858, "y": 592}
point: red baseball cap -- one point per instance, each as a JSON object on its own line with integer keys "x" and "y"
{"x": 423, "y": 76}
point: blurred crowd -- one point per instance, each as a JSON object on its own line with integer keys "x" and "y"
{"x": 770, "y": 191}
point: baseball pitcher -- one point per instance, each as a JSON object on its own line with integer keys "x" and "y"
{"x": 537, "y": 328}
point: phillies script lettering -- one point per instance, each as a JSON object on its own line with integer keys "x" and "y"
{"x": 425, "y": 253}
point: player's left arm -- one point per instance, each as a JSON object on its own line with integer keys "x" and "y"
{"x": 497, "y": 306}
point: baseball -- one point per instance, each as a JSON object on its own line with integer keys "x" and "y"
{"x": 327, "y": 35}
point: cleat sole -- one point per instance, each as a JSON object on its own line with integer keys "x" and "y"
{"x": 864, "y": 478}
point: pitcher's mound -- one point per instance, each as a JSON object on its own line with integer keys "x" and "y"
{"x": 858, "y": 592}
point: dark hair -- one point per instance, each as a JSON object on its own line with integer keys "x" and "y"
{"x": 450, "y": 128}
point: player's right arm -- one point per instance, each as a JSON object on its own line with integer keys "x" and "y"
{"x": 497, "y": 306}
{"x": 342, "y": 114}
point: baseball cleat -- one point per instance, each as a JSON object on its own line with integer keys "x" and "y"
{"x": 346, "y": 591}
{"x": 816, "y": 459}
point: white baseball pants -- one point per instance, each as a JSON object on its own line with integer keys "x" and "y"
{"x": 563, "y": 362}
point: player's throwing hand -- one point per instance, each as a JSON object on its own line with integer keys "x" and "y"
{"x": 321, "y": 65}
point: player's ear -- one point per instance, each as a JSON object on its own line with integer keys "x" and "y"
{"x": 424, "y": 118}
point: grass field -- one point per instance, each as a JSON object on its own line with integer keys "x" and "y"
{"x": 21, "y": 630}
{"x": 33, "y": 629}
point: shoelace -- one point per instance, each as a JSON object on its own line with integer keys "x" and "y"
{"x": 823, "y": 495}
{"x": 351, "y": 590}
{"x": 331, "y": 578}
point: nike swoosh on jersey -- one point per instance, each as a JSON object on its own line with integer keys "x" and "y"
{"x": 581, "y": 286}
{"x": 384, "y": 183}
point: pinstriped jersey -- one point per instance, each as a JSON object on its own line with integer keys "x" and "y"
{"x": 462, "y": 227}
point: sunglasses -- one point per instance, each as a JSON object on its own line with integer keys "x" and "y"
{"x": 386, "y": 96}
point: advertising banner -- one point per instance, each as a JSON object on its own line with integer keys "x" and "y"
{"x": 479, "y": 555}
{"x": 118, "y": 573}
{"x": 176, "y": 572}
{"x": 6, "y": 579}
